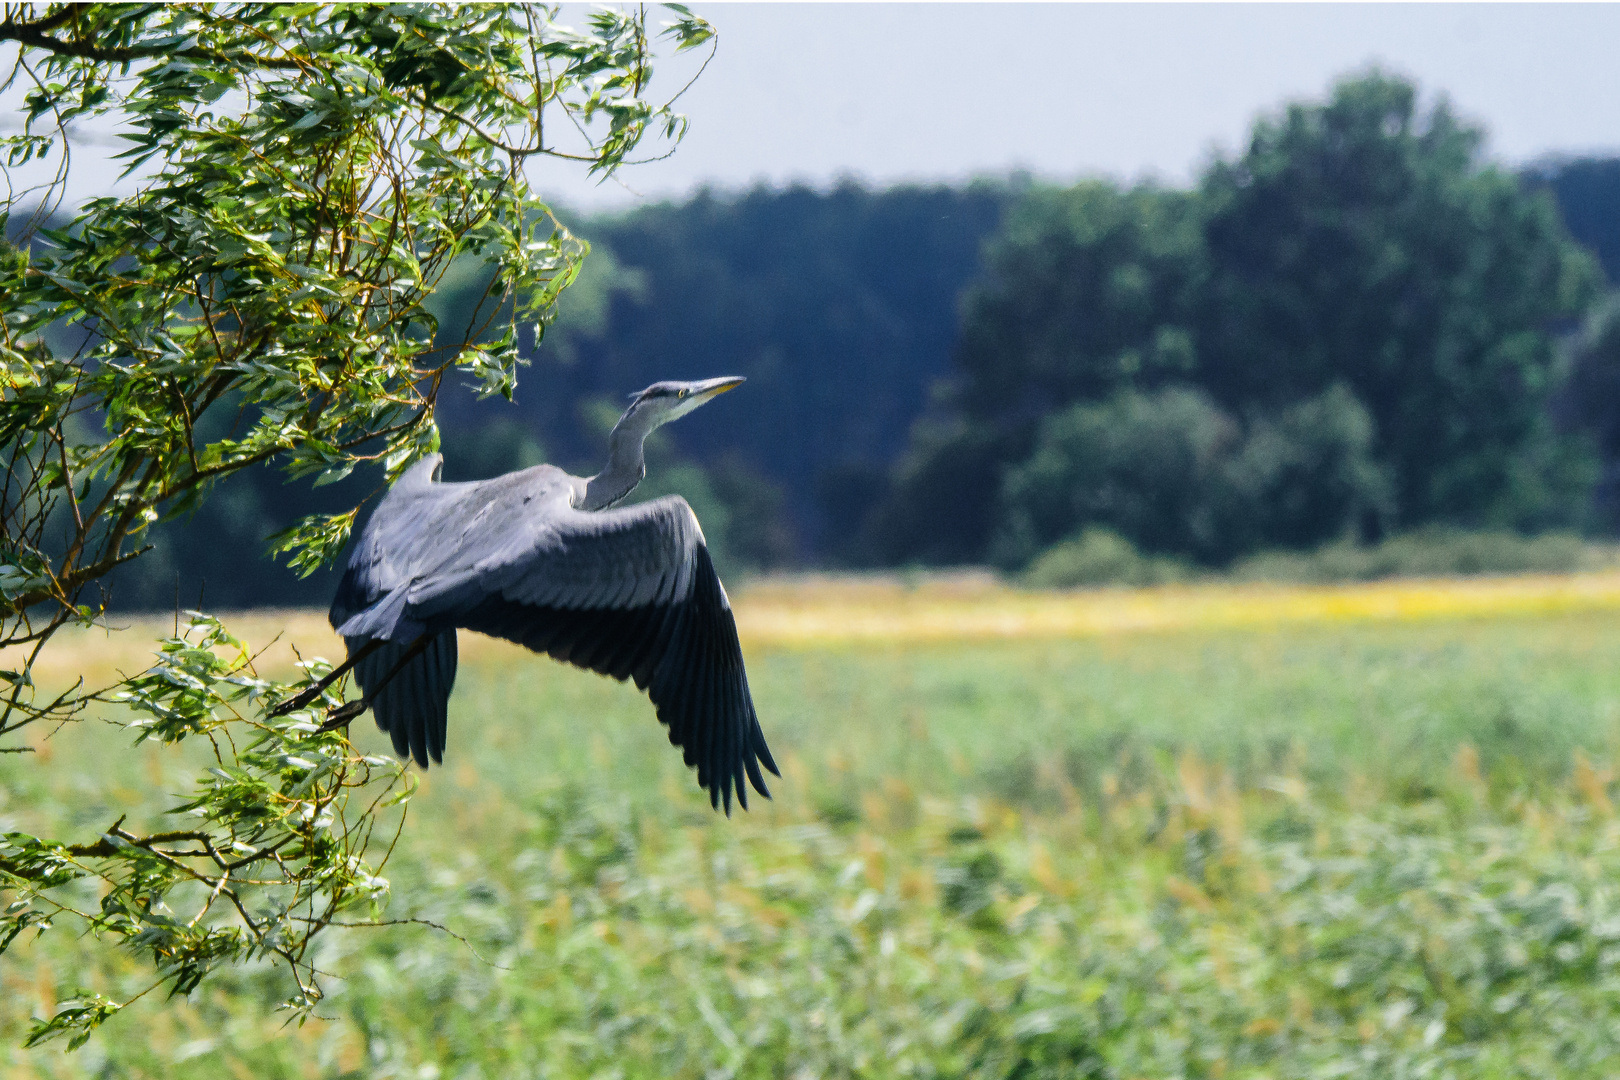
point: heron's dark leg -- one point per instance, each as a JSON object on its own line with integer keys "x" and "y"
{"x": 351, "y": 709}
{"x": 343, "y": 714}
{"x": 309, "y": 695}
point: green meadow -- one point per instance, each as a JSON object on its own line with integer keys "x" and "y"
{"x": 1335, "y": 848}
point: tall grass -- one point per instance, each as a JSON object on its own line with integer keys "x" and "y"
{"x": 1326, "y": 845}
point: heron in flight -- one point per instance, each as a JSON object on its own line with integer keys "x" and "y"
{"x": 554, "y": 563}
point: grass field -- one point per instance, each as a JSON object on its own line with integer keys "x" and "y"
{"x": 1208, "y": 831}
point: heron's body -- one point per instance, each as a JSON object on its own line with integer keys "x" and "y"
{"x": 629, "y": 592}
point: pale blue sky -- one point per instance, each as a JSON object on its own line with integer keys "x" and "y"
{"x": 943, "y": 91}
{"x": 921, "y": 91}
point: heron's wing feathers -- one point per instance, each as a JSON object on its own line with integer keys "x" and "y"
{"x": 410, "y": 695}
{"x": 543, "y": 552}
{"x": 629, "y": 592}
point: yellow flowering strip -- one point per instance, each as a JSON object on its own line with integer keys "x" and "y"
{"x": 973, "y": 609}
{"x": 811, "y": 610}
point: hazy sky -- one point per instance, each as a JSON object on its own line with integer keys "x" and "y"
{"x": 922, "y": 91}
{"x": 943, "y": 91}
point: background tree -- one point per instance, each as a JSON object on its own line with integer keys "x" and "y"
{"x": 1084, "y": 291}
{"x": 1362, "y": 243}
{"x": 314, "y": 172}
{"x": 1368, "y": 242}
{"x": 1173, "y": 473}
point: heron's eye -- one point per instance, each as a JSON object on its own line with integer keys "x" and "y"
{"x": 680, "y": 393}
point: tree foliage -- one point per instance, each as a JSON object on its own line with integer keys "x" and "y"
{"x": 311, "y": 173}
{"x": 1085, "y": 291}
{"x": 1366, "y": 240}
{"x": 1588, "y": 194}
{"x": 1173, "y": 473}
{"x": 1363, "y": 243}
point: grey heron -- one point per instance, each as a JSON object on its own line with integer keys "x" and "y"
{"x": 554, "y": 563}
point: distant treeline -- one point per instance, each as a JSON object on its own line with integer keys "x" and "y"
{"x": 1357, "y": 327}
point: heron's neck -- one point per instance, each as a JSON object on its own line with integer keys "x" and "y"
{"x": 626, "y": 466}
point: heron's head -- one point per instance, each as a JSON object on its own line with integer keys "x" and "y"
{"x": 665, "y": 401}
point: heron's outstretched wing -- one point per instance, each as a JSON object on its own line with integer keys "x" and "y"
{"x": 628, "y": 592}
{"x": 408, "y": 685}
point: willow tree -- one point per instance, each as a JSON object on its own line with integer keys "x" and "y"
{"x": 308, "y": 174}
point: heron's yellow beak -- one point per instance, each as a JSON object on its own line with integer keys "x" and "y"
{"x": 716, "y": 387}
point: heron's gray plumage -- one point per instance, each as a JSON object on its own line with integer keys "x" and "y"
{"x": 412, "y": 707}
{"x": 626, "y": 591}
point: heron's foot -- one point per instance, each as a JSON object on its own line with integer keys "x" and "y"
{"x": 343, "y": 714}
{"x": 311, "y": 693}
{"x": 293, "y": 704}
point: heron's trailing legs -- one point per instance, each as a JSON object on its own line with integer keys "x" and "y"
{"x": 351, "y": 709}
{"x": 309, "y": 695}
{"x": 343, "y": 714}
